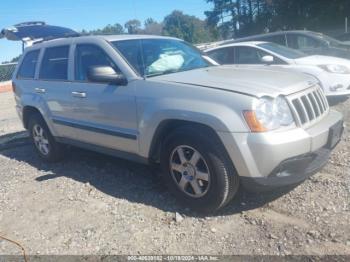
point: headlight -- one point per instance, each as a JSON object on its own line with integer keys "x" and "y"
{"x": 269, "y": 114}
{"x": 337, "y": 69}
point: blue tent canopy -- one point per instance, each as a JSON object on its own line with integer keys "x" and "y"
{"x": 36, "y": 30}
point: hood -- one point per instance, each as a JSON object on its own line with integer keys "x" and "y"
{"x": 255, "y": 81}
{"x": 322, "y": 60}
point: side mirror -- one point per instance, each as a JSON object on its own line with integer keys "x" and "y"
{"x": 106, "y": 74}
{"x": 268, "y": 59}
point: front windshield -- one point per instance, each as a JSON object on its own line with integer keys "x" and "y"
{"x": 282, "y": 50}
{"x": 152, "y": 57}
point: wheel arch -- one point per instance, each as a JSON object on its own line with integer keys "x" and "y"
{"x": 167, "y": 126}
{"x": 28, "y": 111}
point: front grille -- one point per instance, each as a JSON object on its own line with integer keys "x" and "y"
{"x": 309, "y": 106}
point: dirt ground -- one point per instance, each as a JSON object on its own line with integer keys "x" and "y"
{"x": 95, "y": 204}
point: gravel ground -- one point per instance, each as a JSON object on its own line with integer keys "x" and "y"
{"x": 95, "y": 204}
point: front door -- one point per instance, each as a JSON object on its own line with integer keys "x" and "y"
{"x": 106, "y": 112}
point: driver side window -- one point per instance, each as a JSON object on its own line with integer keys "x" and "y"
{"x": 223, "y": 56}
{"x": 88, "y": 55}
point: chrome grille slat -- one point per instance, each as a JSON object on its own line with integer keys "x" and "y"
{"x": 315, "y": 104}
{"x": 319, "y": 101}
{"x": 322, "y": 99}
{"x": 306, "y": 115}
{"x": 311, "y": 107}
{"x": 308, "y": 106}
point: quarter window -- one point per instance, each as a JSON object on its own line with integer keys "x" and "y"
{"x": 27, "y": 69}
{"x": 87, "y": 56}
{"x": 54, "y": 65}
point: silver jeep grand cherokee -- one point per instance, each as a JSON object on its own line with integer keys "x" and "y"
{"x": 158, "y": 100}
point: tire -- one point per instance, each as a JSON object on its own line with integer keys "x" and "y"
{"x": 54, "y": 150}
{"x": 183, "y": 177}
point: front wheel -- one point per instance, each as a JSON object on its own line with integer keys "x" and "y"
{"x": 197, "y": 170}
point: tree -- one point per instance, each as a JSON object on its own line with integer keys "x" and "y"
{"x": 115, "y": 29}
{"x": 133, "y": 26}
{"x": 245, "y": 17}
{"x": 236, "y": 17}
{"x": 187, "y": 27}
{"x": 152, "y": 27}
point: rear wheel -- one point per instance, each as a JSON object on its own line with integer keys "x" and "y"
{"x": 46, "y": 146}
{"x": 197, "y": 170}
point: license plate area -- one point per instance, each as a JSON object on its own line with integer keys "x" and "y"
{"x": 335, "y": 133}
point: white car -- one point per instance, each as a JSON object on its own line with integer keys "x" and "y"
{"x": 332, "y": 72}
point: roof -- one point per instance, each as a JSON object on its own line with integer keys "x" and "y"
{"x": 248, "y": 38}
{"x": 111, "y": 38}
{"x": 245, "y": 43}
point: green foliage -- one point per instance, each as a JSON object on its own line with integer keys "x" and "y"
{"x": 187, "y": 27}
{"x": 152, "y": 27}
{"x": 133, "y": 26}
{"x": 254, "y": 16}
{"x": 115, "y": 29}
{"x": 176, "y": 24}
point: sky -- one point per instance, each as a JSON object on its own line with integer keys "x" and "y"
{"x": 87, "y": 14}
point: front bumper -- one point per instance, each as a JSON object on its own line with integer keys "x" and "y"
{"x": 290, "y": 171}
{"x": 281, "y": 157}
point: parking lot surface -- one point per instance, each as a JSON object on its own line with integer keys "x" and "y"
{"x": 95, "y": 204}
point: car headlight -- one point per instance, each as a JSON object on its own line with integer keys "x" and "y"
{"x": 269, "y": 114}
{"x": 337, "y": 69}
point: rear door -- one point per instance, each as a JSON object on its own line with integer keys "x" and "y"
{"x": 53, "y": 86}
{"x": 105, "y": 113}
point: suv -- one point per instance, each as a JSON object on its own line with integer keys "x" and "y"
{"x": 157, "y": 100}
{"x": 309, "y": 42}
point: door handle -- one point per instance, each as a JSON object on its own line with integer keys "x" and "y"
{"x": 40, "y": 90}
{"x": 79, "y": 94}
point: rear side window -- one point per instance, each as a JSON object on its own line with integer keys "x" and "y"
{"x": 27, "y": 68}
{"x": 54, "y": 65}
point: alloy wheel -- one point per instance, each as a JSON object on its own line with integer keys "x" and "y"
{"x": 190, "y": 171}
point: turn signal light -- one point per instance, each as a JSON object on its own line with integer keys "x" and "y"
{"x": 253, "y": 122}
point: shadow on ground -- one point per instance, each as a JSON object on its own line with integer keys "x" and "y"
{"x": 123, "y": 179}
